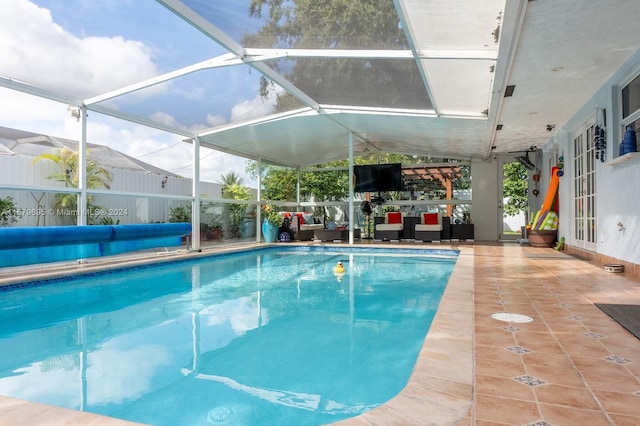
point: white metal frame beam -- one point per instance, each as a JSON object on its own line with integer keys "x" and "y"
{"x": 220, "y": 61}
{"x": 409, "y": 33}
{"x": 255, "y": 54}
{"x": 20, "y": 86}
{"x": 512, "y": 22}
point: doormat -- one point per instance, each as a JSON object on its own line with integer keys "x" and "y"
{"x": 627, "y": 316}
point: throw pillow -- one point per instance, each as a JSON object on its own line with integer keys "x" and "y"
{"x": 430, "y": 218}
{"x": 308, "y": 218}
{"x": 300, "y": 219}
{"x": 394, "y": 217}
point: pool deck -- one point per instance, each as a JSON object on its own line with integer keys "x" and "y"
{"x": 570, "y": 365}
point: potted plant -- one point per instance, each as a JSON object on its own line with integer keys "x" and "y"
{"x": 272, "y": 221}
{"x": 9, "y": 213}
{"x": 215, "y": 231}
{"x": 180, "y": 214}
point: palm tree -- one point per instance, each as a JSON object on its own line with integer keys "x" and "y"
{"x": 233, "y": 188}
{"x": 67, "y": 162}
{"x": 229, "y": 180}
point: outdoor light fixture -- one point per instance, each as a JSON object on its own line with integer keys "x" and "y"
{"x": 164, "y": 180}
{"x": 526, "y": 162}
{"x": 75, "y": 112}
{"x": 524, "y": 159}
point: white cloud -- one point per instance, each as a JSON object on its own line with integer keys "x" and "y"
{"x": 215, "y": 120}
{"x": 37, "y": 50}
{"x": 26, "y": 112}
{"x": 164, "y": 118}
{"x": 254, "y": 108}
{"x": 166, "y": 150}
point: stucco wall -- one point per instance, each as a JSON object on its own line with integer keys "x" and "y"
{"x": 617, "y": 186}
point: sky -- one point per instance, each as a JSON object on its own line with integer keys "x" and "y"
{"x": 86, "y": 48}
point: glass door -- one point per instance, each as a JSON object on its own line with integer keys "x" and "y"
{"x": 512, "y": 199}
{"x": 584, "y": 189}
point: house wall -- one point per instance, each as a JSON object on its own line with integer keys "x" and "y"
{"x": 617, "y": 186}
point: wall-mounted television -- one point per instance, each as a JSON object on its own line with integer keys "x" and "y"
{"x": 378, "y": 177}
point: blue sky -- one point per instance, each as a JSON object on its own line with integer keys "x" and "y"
{"x": 86, "y": 48}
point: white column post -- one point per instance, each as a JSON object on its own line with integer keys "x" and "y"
{"x": 298, "y": 191}
{"x": 351, "y": 209}
{"x": 259, "y": 204}
{"x": 81, "y": 218}
{"x": 195, "y": 206}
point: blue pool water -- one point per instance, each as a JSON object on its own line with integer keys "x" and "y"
{"x": 265, "y": 337}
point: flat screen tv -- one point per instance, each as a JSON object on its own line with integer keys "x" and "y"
{"x": 378, "y": 177}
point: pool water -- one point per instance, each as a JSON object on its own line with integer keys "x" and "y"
{"x": 268, "y": 337}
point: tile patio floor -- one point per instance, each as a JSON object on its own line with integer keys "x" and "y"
{"x": 571, "y": 365}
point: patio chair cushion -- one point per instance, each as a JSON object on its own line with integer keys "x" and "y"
{"x": 393, "y": 221}
{"x": 430, "y": 218}
{"x": 427, "y": 220}
{"x": 394, "y": 217}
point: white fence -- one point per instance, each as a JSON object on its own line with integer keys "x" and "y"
{"x": 513, "y": 223}
{"x": 36, "y": 201}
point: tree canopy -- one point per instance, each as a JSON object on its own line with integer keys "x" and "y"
{"x": 515, "y": 186}
{"x": 338, "y": 24}
{"x": 328, "y": 184}
{"x": 68, "y": 167}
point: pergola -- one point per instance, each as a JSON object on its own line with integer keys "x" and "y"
{"x": 443, "y": 172}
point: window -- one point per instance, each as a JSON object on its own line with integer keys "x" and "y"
{"x": 631, "y": 98}
{"x": 631, "y": 106}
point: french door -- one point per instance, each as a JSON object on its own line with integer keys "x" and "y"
{"x": 584, "y": 189}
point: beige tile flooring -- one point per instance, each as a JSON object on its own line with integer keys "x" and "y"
{"x": 570, "y": 365}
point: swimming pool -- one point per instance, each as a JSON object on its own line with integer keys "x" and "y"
{"x": 263, "y": 337}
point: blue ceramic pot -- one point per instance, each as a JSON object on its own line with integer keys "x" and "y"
{"x": 629, "y": 140}
{"x": 269, "y": 231}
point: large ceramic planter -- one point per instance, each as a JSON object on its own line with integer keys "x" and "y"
{"x": 249, "y": 228}
{"x": 269, "y": 231}
{"x": 542, "y": 238}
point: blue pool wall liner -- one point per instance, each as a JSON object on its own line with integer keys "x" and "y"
{"x": 447, "y": 253}
{"x": 25, "y": 246}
